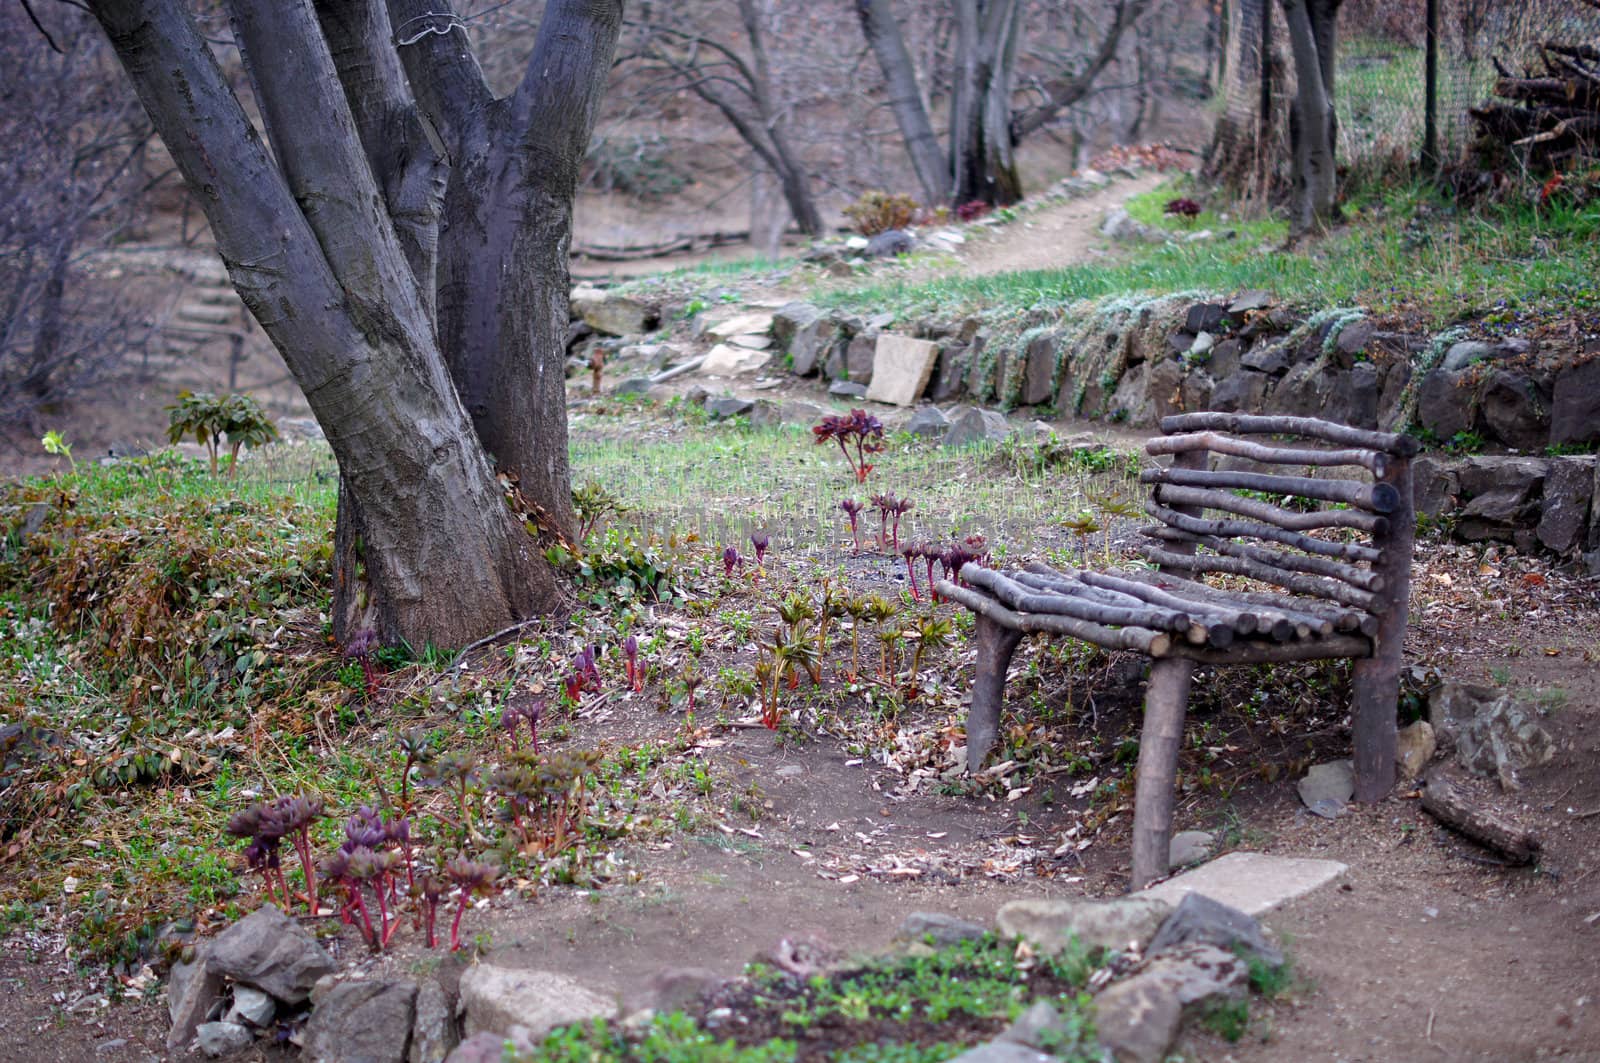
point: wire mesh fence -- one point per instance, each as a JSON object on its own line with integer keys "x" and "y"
{"x": 1387, "y": 93}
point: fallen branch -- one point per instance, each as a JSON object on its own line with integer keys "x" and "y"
{"x": 1453, "y": 804}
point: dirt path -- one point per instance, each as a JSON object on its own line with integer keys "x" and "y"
{"x": 1061, "y": 234}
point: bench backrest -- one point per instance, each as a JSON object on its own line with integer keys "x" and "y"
{"x": 1231, "y": 519}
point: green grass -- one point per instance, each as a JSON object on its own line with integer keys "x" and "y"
{"x": 1497, "y": 259}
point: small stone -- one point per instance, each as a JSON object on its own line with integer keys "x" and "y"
{"x": 1414, "y": 747}
{"x": 489, "y": 1047}
{"x": 726, "y": 406}
{"x": 976, "y": 426}
{"x": 727, "y": 360}
{"x": 251, "y": 1007}
{"x": 675, "y": 989}
{"x": 944, "y": 930}
{"x": 1189, "y": 847}
{"x": 1467, "y": 352}
{"x": 1003, "y": 1052}
{"x": 844, "y": 389}
{"x": 434, "y": 1030}
{"x": 359, "y": 1022}
{"x": 1050, "y": 925}
{"x": 1328, "y": 787}
{"x": 193, "y": 992}
{"x": 743, "y": 325}
{"x": 1251, "y": 299}
{"x": 890, "y": 243}
{"x": 637, "y": 385}
{"x": 928, "y": 421}
{"x": 218, "y": 1039}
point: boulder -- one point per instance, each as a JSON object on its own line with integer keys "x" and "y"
{"x": 251, "y": 1007}
{"x": 616, "y": 315}
{"x": 789, "y": 319}
{"x": 976, "y": 426}
{"x": 727, "y": 360}
{"x": 271, "y": 952}
{"x": 1242, "y": 392}
{"x": 1353, "y": 340}
{"x": 1189, "y": 847}
{"x": 220, "y": 1039}
{"x": 890, "y": 243}
{"x": 861, "y": 356}
{"x": 194, "y": 995}
{"x": 1575, "y": 404}
{"x": 811, "y": 342}
{"x": 486, "y": 1047}
{"x": 1485, "y": 472}
{"x": 1050, "y": 925}
{"x": 1446, "y": 403}
{"x": 1139, "y": 1019}
{"x": 1225, "y": 358}
{"x": 1513, "y": 410}
{"x": 726, "y": 406}
{"x": 943, "y": 930}
{"x": 1196, "y": 390}
{"x": 798, "y": 411}
{"x": 1564, "y": 512}
{"x": 1206, "y": 317}
{"x": 1121, "y": 226}
{"x": 1039, "y": 368}
{"x": 1464, "y": 354}
{"x": 950, "y": 376}
{"x": 928, "y": 421}
{"x": 1269, "y": 358}
{"x": 1495, "y": 735}
{"x": 496, "y": 998}
{"x": 434, "y": 1030}
{"x": 1164, "y": 386}
{"x": 1434, "y": 487}
{"x": 1003, "y": 1052}
{"x": 1199, "y": 920}
{"x": 360, "y": 1022}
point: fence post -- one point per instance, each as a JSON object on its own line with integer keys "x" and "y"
{"x": 1430, "y": 105}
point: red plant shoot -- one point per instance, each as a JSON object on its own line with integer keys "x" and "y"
{"x": 859, "y": 430}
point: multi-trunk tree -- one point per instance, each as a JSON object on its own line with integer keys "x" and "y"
{"x": 978, "y": 161}
{"x": 401, "y": 235}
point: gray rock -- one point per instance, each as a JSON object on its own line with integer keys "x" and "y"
{"x": 1139, "y": 1018}
{"x": 272, "y": 952}
{"x": 1163, "y": 385}
{"x": 1114, "y": 924}
{"x": 811, "y": 343}
{"x": 1568, "y": 492}
{"x": 847, "y": 389}
{"x": 1121, "y": 226}
{"x": 860, "y": 355}
{"x": 726, "y": 406}
{"x": 1483, "y": 473}
{"x": 675, "y": 989}
{"x": 218, "y": 1039}
{"x": 1513, "y": 411}
{"x": 1041, "y": 1027}
{"x": 1241, "y": 392}
{"x": 1003, "y": 1052}
{"x": 1199, "y": 920}
{"x": 1189, "y": 847}
{"x": 1266, "y": 358}
{"x": 928, "y": 421}
{"x": 1495, "y": 734}
{"x": 1251, "y": 299}
{"x": 1467, "y": 352}
{"x": 251, "y": 1007}
{"x": 1446, "y": 404}
{"x": 617, "y": 315}
{"x": 944, "y": 930}
{"x": 1354, "y": 338}
{"x": 194, "y": 995}
{"x": 1435, "y": 485}
{"x": 1575, "y": 404}
{"x": 495, "y": 998}
{"x": 434, "y": 1030}
{"x": 789, "y": 319}
{"x": 1205, "y": 317}
{"x": 1039, "y": 368}
{"x": 950, "y": 375}
{"x": 635, "y": 385}
{"x": 1328, "y": 787}
{"x": 360, "y": 1022}
{"x": 976, "y": 426}
{"x": 1224, "y": 358}
{"x": 1414, "y": 747}
{"x": 798, "y": 411}
{"x": 1506, "y": 506}
{"x": 765, "y": 415}
{"x": 1201, "y": 348}
{"x": 890, "y": 243}
{"x": 489, "y": 1047}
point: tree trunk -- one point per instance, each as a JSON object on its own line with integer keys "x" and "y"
{"x": 792, "y": 171}
{"x": 980, "y": 109}
{"x": 1312, "y": 42}
{"x": 330, "y": 240}
{"x": 888, "y": 44}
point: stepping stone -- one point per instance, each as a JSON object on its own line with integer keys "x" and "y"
{"x": 1251, "y": 882}
{"x": 723, "y": 360}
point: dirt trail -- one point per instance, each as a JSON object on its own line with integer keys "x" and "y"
{"x": 1061, "y": 234}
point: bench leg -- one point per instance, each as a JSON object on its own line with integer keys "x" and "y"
{"x": 996, "y": 644}
{"x": 1165, "y": 701}
{"x": 1375, "y": 692}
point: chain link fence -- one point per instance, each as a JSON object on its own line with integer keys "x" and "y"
{"x": 1401, "y": 91}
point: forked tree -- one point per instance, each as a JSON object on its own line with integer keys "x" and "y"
{"x": 401, "y": 234}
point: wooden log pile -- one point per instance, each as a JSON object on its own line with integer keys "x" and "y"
{"x": 1551, "y": 114}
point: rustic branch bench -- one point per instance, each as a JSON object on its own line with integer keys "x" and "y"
{"x": 1325, "y": 576}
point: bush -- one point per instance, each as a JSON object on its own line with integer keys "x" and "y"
{"x": 876, "y": 212}
{"x": 208, "y": 418}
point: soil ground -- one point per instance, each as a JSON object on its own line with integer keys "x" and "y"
{"x": 1426, "y": 950}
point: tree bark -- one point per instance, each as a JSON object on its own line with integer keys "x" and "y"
{"x": 330, "y": 242}
{"x": 888, "y": 44}
{"x": 1312, "y": 122}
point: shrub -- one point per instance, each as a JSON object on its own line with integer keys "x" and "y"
{"x": 877, "y": 212}
{"x": 209, "y": 417}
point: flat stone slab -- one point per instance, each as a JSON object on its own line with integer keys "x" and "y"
{"x": 900, "y": 369}
{"x": 741, "y": 325}
{"x": 1251, "y": 882}
{"x": 723, "y": 360}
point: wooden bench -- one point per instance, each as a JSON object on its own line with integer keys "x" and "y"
{"x": 1325, "y": 575}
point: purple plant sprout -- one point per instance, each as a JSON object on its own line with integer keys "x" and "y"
{"x": 731, "y": 560}
{"x": 469, "y": 877}
{"x": 630, "y": 652}
{"x": 852, "y": 509}
{"x": 902, "y": 506}
{"x": 909, "y": 553}
{"x": 760, "y": 540}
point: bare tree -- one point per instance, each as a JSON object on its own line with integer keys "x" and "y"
{"x": 985, "y": 125}
{"x": 71, "y": 180}
{"x": 1312, "y": 123}
{"x": 404, "y": 245}
{"x": 729, "y": 65}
